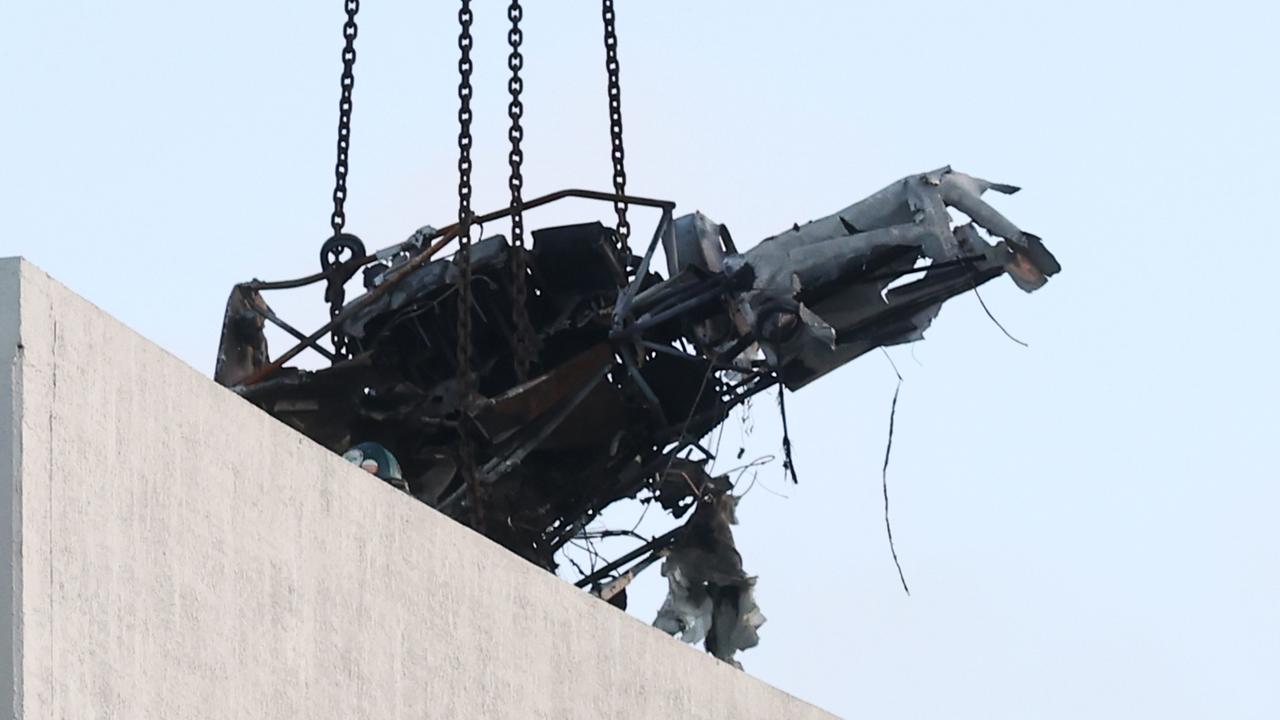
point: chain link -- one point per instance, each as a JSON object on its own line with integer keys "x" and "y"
{"x": 349, "y": 30}
{"x": 466, "y": 378}
{"x": 524, "y": 336}
{"x": 338, "y": 219}
{"x": 615, "y": 126}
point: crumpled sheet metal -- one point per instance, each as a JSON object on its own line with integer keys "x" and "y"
{"x": 242, "y": 348}
{"x": 626, "y": 382}
{"x": 710, "y": 598}
{"x": 832, "y": 273}
{"x": 687, "y": 609}
{"x": 726, "y": 619}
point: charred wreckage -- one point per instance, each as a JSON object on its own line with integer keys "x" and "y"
{"x": 596, "y": 377}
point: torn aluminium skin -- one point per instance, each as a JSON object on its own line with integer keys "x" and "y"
{"x": 630, "y": 370}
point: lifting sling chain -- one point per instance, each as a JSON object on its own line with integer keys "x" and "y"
{"x": 341, "y": 244}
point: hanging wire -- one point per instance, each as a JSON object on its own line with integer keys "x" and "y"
{"x": 987, "y": 310}
{"x": 884, "y": 473}
{"x": 788, "y": 463}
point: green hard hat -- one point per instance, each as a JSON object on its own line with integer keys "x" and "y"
{"x": 388, "y": 468}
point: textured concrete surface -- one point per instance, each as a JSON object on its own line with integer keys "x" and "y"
{"x": 183, "y": 555}
{"x": 9, "y": 451}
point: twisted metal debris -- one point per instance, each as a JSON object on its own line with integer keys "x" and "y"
{"x": 633, "y": 367}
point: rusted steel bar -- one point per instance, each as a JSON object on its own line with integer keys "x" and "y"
{"x": 356, "y": 304}
{"x": 497, "y": 467}
{"x": 622, "y": 307}
{"x": 442, "y": 238}
{"x": 274, "y": 319}
{"x": 657, "y": 543}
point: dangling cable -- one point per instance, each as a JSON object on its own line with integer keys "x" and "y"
{"x": 788, "y": 463}
{"x": 993, "y": 319}
{"x": 884, "y": 473}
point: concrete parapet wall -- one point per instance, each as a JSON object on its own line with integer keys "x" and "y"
{"x": 173, "y": 552}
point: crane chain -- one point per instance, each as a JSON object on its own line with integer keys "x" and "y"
{"x": 349, "y": 31}
{"x": 615, "y": 127}
{"x": 525, "y": 339}
{"x": 338, "y": 219}
{"x": 466, "y": 376}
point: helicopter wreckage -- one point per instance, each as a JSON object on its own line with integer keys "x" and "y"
{"x": 625, "y": 370}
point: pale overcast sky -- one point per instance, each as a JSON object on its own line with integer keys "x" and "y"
{"x": 1088, "y": 524}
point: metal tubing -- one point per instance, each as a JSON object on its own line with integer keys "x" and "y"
{"x": 275, "y": 320}
{"x": 653, "y": 319}
{"x": 441, "y": 238}
{"x": 624, "y": 300}
{"x": 498, "y": 467}
{"x": 655, "y": 544}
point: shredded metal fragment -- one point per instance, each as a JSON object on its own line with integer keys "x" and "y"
{"x": 635, "y": 367}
